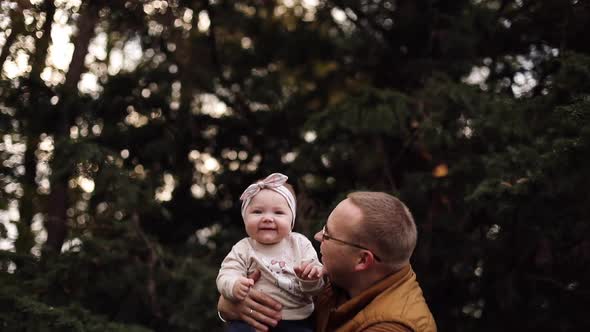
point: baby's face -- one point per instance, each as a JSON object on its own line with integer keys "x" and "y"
{"x": 268, "y": 217}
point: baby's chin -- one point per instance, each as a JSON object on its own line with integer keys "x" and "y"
{"x": 267, "y": 239}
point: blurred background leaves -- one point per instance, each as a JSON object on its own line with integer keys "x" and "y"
{"x": 129, "y": 129}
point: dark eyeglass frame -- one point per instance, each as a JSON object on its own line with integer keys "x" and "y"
{"x": 325, "y": 237}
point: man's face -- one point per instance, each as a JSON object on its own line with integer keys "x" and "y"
{"x": 339, "y": 259}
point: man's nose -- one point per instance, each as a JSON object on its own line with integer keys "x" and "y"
{"x": 318, "y": 236}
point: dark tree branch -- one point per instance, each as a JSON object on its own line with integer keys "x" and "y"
{"x": 42, "y": 47}
{"x": 387, "y": 165}
{"x": 239, "y": 104}
{"x": 152, "y": 261}
{"x": 17, "y": 27}
{"x": 364, "y": 23}
{"x": 86, "y": 24}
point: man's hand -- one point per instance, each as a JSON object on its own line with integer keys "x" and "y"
{"x": 242, "y": 287}
{"x": 309, "y": 271}
{"x": 258, "y": 309}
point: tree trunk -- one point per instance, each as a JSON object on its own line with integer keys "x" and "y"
{"x": 26, "y": 240}
{"x": 31, "y": 129}
{"x": 42, "y": 45}
{"x": 58, "y": 199}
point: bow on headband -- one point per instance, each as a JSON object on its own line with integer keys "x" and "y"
{"x": 274, "y": 182}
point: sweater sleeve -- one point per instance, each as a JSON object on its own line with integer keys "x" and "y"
{"x": 387, "y": 327}
{"x": 308, "y": 254}
{"x": 234, "y": 265}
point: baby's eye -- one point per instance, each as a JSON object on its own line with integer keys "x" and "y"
{"x": 280, "y": 212}
{"x": 256, "y": 211}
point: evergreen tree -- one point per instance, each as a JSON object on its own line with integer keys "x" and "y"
{"x": 122, "y": 168}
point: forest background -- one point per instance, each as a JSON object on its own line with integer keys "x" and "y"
{"x": 128, "y": 130}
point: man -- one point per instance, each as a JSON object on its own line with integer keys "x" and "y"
{"x": 366, "y": 246}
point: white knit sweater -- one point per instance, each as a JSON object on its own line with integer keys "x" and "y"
{"x": 276, "y": 263}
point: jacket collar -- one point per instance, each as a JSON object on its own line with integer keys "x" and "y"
{"x": 346, "y": 308}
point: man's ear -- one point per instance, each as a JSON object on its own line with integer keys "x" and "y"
{"x": 364, "y": 261}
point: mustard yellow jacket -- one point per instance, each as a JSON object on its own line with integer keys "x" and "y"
{"x": 396, "y": 299}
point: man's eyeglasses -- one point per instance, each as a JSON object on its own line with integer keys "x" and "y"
{"x": 325, "y": 237}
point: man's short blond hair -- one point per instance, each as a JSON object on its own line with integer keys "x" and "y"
{"x": 387, "y": 226}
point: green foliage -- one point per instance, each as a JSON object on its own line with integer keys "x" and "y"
{"x": 370, "y": 111}
{"x": 475, "y": 113}
{"x": 32, "y": 315}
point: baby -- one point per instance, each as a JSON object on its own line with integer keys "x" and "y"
{"x": 268, "y": 210}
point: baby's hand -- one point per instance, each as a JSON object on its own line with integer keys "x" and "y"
{"x": 309, "y": 271}
{"x": 242, "y": 287}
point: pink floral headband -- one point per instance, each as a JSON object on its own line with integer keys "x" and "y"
{"x": 274, "y": 182}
